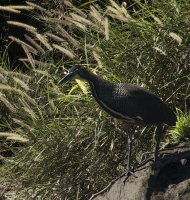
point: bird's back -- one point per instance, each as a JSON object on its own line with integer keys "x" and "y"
{"x": 134, "y": 104}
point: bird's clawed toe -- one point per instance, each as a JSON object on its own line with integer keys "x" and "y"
{"x": 128, "y": 173}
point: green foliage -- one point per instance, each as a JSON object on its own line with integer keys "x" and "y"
{"x": 73, "y": 148}
{"x": 182, "y": 129}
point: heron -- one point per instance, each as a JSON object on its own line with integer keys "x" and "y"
{"x": 132, "y": 104}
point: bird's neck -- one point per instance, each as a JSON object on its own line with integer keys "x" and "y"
{"x": 90, "y": 77}
{"x": 101, "y": 88}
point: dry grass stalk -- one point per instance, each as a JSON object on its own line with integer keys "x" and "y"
{"x": 68, "y": 3}
{"x": 21, "y": 83}
{"x": 5, "y": 87}
{"x": 115, "y": 5}
{"x": 9, "y": 9}
{"x": 35, "y": 44}
{"x": 3, "y": 71}
{"x": 96, "y": 14}
{"x": 44, "y": 73}
{"x": 81, "y": 20}
{"x": 22, "y": 124}
{"x": 89, "y": 46}
{"x": 7, "y": 103}
{"x": 18, "y": 91}
{"x": 175, "y": 37}
{"x": 55, "y": 20}
{"x": 126, "y": 14}
{"x": 157, "y": 20}
{"x": 58, "y": 14}
{"x": 55, "y": 37}
{"x": 119, "y": 12}
{"x": 19, "y": 24}
{"x": 84, "y": 23}
{"x": 79, "y": 25}
{"x": 106, "y": 28}
{"x": 53, "y": 106}
{"x": 99, "y": 30}
{"x": 160, "y": 50}
{"x": 28, "y": 109}
{"x": 39, "y": 8}
{"x": 116, "y": 14}
{"x": 29, "y": 56}
{"x": 23, "y": 44}
{"x": 35, "y": 6}
{"x": 68, "y": 36}
{"x": 97, "y": 58}
{"x": 54, "y": 88}
{"x": 35, "y": 61}
{"x": 63, "y": 50}
{"x": 3, "y": 78}
{"x": 22, "y": 7}
{"x": 28, "y": 98}
{"x": 80, "y": 12}
{"x": 43, "y": 40}
{"x": 20, "y": 75}
{"x": 13, "y": 136}
{"x": 94, "y": 48}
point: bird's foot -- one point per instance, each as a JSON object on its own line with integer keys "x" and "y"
{"x": 128, "y": 173}
{"x": 156, "y": 172}
{"x": 157, "y": 165}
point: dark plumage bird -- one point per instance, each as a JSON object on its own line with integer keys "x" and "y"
{"x": 133, "y": 104}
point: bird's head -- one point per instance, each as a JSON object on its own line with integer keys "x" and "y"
{"x": 73, "y": 73}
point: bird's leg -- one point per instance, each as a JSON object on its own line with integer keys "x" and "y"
{"x": 159, "y": 132}
{"x": 129, "y": 141}
{"x": 157, "y": 136}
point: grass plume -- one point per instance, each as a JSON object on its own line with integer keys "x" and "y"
{"x": 64, "y": 50}
{"x": 24, "y": 44}
{"x": 9, "y": 9}
{"x": 35, "y": 44}
{"x": 23, "y": 25}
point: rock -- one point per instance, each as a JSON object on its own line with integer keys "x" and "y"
{"x": 172, "y": 181}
